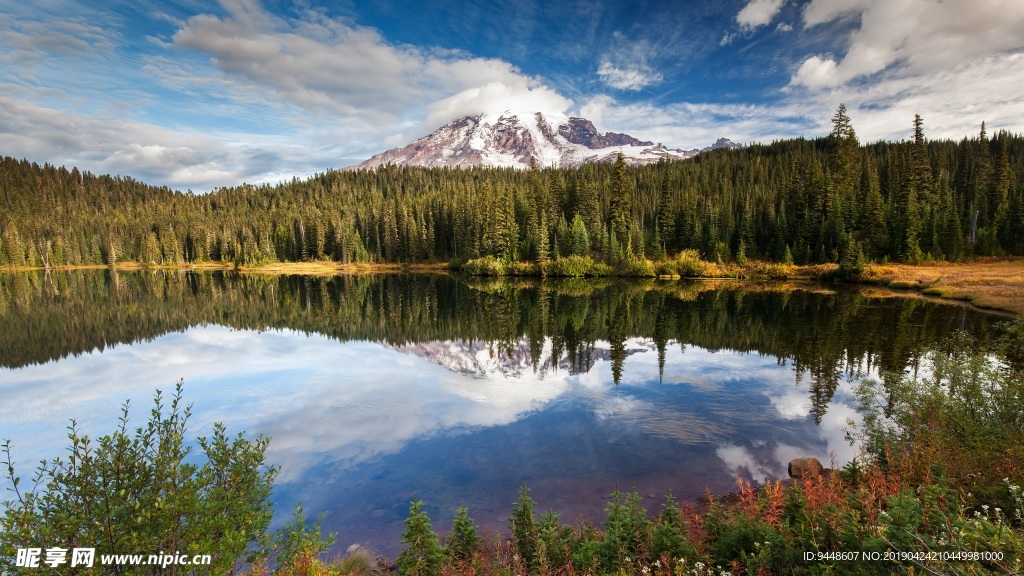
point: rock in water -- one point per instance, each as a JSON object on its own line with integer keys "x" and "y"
{"x": 805, "y": 468}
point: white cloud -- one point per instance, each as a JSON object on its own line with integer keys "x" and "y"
{"x": 627, "y": 78}
{"x": 331, "y": 67}
{"x": 757, "y": 13}
{"x": 915, "y": 36}
{"x": 625, "y": 67}
{"x": 232, "y": 98}
{"x": 953, "y": 102}
{"x": 524, "y": 95}
{"x": 956, "y": 63}
{"x": 103, "y": 143}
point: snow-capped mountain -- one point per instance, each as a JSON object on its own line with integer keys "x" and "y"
{"x": 492, "y": 360}
{"x": 513, "y": 139}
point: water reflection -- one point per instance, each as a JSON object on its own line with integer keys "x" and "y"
{"x": 373, "y": 388}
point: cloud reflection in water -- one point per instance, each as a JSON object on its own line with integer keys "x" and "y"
{"x": 357, "y": 421}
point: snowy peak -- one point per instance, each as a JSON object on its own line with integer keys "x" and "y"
{"x": 514, "y": 139}
{"x": 582, "y": 131}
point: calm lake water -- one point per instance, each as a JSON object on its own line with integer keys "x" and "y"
{"x": 377, "y": 387}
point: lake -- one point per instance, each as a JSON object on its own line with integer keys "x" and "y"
{"x": 374, "y": 388}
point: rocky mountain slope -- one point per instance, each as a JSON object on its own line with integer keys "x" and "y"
{"x": 513, "y": 139}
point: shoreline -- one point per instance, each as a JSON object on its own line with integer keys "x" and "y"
{"x": 990, "y": 285}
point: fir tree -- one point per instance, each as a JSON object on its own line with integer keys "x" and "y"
{"x": 424, "y": 555}
{"x": 463, "y": 542}
{"x": 668, "y": 540}
{"x": 523, "y": 525}
{"x": 621, "y": 192}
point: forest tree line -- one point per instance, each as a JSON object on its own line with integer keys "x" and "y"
{"x": 799, "y": 200}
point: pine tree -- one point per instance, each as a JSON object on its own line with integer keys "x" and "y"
{"x": 666, "y": 214}
{"x": 579, "y": 239}
{"x": 627, "y": 532}
{"x": 844, "y": 154}
{"x": 424, "y": 555}
{"x": 621, "y": 192}
{"x": 462, "y": 544}
{"x": 523, "y": 525}
{"x": 668, "y": 540}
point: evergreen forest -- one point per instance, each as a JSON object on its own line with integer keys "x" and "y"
{"x": 800, "y": 200}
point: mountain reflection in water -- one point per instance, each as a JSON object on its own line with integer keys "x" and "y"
{"x": 376, "y": 387}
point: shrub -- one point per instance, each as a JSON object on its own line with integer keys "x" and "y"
{"x": 141, "y": 493}
{"x": 768, "y": 270}
{"x": 689, "y": 264}
{"x": 637, "y": 267}
{"x": 668, "y": 541}
{"x": 574, "y": 267}
{"x": 486, "y": 266}
{"x": 298, "y": 544}
{"x": 967, "y": 414}
{"x": 524, "y": 269}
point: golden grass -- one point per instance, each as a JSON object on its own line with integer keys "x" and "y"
{"x": 992, "y": 284}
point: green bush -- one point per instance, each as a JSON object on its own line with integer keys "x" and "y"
{"x": 298, "y": 540}
{"x": 142, "y": 493}
{"x": 689, "y": 264}
{"x": 525, "y": 269}
{"x": 966, "y": 414}
{"x": 635, "y": 267}
{"x": 486, "y": 266}
{"x": 574, "y": 267}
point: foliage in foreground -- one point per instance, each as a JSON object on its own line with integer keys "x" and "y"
{"x": 141, "y": 492}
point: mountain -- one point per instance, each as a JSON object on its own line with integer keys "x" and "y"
{"x": 513, "y": 139}
{"x": 514, "y": 361}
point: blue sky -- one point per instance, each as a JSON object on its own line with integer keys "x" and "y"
{"x": 196, "y": 95}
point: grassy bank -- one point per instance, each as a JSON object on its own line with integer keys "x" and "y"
{"x": 989, "y": 284}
